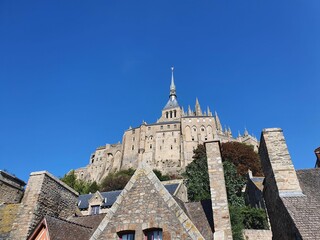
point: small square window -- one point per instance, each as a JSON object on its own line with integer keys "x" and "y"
{"x": 95, "y": 210}
{"x": 126, "y": 235}
{"x": 155, "y": 234}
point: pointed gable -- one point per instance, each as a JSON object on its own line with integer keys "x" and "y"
{"x": 145, "y": 204}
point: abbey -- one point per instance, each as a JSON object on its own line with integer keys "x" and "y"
{"x": 166, "y": 145}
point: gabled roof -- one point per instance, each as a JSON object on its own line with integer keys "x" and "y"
{"x": 305, "y": 210}
{"x": 111, "y": 197}
{"x": 144, "y": 172}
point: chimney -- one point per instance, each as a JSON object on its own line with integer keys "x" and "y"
{"x": 276, "y": 163}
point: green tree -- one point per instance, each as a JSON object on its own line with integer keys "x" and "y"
{"x": 79, "y": 185}
{"x": 234, "y": 184}
{"x": 161, "y": 176}
{"x": 197, "y": 178}
{"x": 116, "y": 180}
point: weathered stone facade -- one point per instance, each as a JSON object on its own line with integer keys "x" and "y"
{"x": 11, "y": 188}
{"x": 44, "y": 195}
{"x": 166, "y": 145}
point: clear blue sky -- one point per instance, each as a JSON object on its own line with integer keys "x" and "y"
{"x": 75, "y": 74}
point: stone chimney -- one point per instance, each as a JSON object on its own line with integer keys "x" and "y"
{"x": 220, "y": 208}
{"x": 44, "y": 195}
{"x": 276, "y": 163}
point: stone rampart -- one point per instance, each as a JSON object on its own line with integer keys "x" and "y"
{"x": 11, "y": 188}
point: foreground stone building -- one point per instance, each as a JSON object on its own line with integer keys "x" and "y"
{"x": 166, "y": 145}
{"x": 147, "y": 209}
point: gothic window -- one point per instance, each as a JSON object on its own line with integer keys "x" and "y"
{"x": 154, "y": 234}
{"x": 95, "y": 209}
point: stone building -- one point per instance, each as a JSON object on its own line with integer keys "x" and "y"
{"x": 166, "y": 145}
{"x": 11, "y": 188}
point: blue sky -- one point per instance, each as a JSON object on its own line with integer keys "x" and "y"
{"x": 74, "y": 75}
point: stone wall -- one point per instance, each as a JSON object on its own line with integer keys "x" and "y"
{"x": 44, "y": 195}
{"x": 220, "y": 208}
{"x": 11, "y": 188}
{"x": 280, "y": 178}
{"x": 253, "y": 234}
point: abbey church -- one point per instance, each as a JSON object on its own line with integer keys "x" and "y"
{"x": 166, "y": 145}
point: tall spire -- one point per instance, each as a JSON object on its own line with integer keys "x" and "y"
{"x": 172, "y": 103}
{"x": 172, "y": 86}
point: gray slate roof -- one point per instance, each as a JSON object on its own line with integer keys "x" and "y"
{"x": 305, "y": 210}
{"x": 111, "y": 197}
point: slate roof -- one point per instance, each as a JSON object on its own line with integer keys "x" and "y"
{"x": 91, "y": 221}
{"x": 305, "y": 210}
{"x": 60, "y": 229}
{"x": 111, "y": 196}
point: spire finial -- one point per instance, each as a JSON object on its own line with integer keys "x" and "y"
{"x": 172, "y": 86}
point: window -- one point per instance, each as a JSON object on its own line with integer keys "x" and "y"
{"x": 161, "y": 127}
{"x": 171, "y": 146}
{"x": 133, "y": 139}
{"x": 150, "y": 146}
{"x": 166, "y": 114}
{"x": 155, "y": 234}
{"x": 175, "y": 126}
{"x": 126, "y": 235}
{"x": 95, "y": 209}
{"x": 168, "y": 126}
{"x": 175, "y": 140}
{"x": 132, "y": 148}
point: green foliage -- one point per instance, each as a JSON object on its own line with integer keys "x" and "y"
{"x": 234, "y": 184}
{"x": 79, "y": 185}
{"x": 254, "y": 218}
{"x": 117, "y": 180}
{"x": 236, "y": 222}
{"x": 242, "y": 156}
{"x": 161, "y": 176}
{"x": 197, "y": 178}
{"x": 245, "y": 217}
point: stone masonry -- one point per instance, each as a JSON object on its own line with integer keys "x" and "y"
{"x": 280, "y": 181}
{"x": 44, "y": 195}
{"x": 145, "y": 204}
{"x": 221, "y": 216}
{"x": 11, "y": 188}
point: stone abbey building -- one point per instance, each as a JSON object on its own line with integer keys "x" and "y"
{"x": 166, "y": 145}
